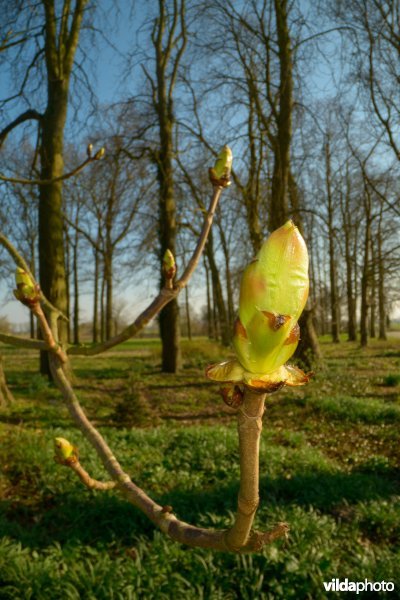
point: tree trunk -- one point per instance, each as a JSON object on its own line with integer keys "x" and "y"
{"x": 61, "y": 42}
{"x": 229, "y": 293}
{"x": 102, "y": 308}
{"x": 372, "y": 312}
{"x": 381, "y": 288}
{"x": 280, "y": 175}
{"x": 51, "y": 238}
{"x": 251, "y": 191}
{"x": 32, "y": 266}
{"x": 108, "y": 279}
{"x": 169, "y": 316}
{"x": 187, "y": 308}
{"x": 210, "y": 321}
{"x": 76, "y": 289}
{"x": 6, "y": 397}
{"x": 219, "y": 298}
{"x": 332, "y": 259}
{"x": 95, "y": 328}
{"x": 364, "y": 285}
{"x": 308, "y": 351}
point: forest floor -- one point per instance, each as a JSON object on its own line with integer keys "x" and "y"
{"x": 330, "y": 466}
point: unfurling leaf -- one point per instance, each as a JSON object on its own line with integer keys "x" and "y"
{"x": 273, "y": 293}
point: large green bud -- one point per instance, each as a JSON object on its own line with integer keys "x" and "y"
{"x": 273, "y": 293}
{"x": 27, "y": 292}
{"x": 220, "y": 173}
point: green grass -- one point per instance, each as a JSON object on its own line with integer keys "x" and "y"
{"x": 329, "y": 466}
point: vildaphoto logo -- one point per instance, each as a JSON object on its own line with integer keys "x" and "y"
{"x": 336, "y": 585}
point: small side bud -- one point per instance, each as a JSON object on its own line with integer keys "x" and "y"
{"x": 27, "y": 292}
{"x": 220, "y": 174}
{"x": 232, "y": 395}
{"x": 64, "y": 452}
{"x": 169, "y": 267}
{"x": 89, "y": 150}
{"x": 100, "y": 153}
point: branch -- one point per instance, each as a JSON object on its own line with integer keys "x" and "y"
{"x": 67, "y": 455}
{"x": 72, "y": 173}
{"x": 26, "y": 116}
{"x": 233, "y": 539}
{"x": 165, "y": 295}
{"x": 14, "y": 340}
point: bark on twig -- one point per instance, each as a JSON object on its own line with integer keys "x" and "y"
{"x": 239, "y": 538}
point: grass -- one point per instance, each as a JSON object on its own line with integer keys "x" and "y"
{"x": 330, "y": 463}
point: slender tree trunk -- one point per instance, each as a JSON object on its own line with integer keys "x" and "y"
{"x": 332, "y": 258}
{"x": 351, "y": 313}
{"x": 6, "y": 397}
{"x": 76, "y": 290}
{"x": 364, "y": 284}
{"x": 95, "y": 328}
{"x": 216, "y": 323}
{"x": 67, "y": 245}
{"x": 169, "y": 316}
{"x": 187, "y": 309}
{"x": 210, "y": 321}
{"x": 229, "y": 293}
{"x": 219, "y": 298}
{"x": 372, "y": 314}
{"x": 355, "y": 272}
{"x": 347, "y": 229}
{"x": 102, "y": 308}
{"x": 32, "y": 266}
{"x": 108, "y": 278}
{"x": 381, "y": 288}
{"x": 251, "y": 191}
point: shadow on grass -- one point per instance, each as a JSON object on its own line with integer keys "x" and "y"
{"x": 94, "y": 518}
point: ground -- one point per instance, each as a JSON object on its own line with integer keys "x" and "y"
{"x": 330, "y": 464}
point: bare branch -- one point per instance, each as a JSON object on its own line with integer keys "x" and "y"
{"x": 26, "y": 116}
{"x": 72, "y": 173}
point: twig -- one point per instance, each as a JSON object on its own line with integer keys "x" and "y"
{"x": 93, "y": 484}
{"x": 165, "y": 295}
{"x": 176, "y": 529}
{"x": 48, "y": 337}
{"x": 72, "y": 173}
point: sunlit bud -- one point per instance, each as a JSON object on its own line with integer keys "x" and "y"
{"x": 27, "y": 292}
{"x": 221, "y": 172}
{"x": 100, "y": 153}
{"x": 89, "y": 150}
{"x": 65, "y": 452}
{"x": 273, "y": 293}
{"x": 169, "y": 266}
